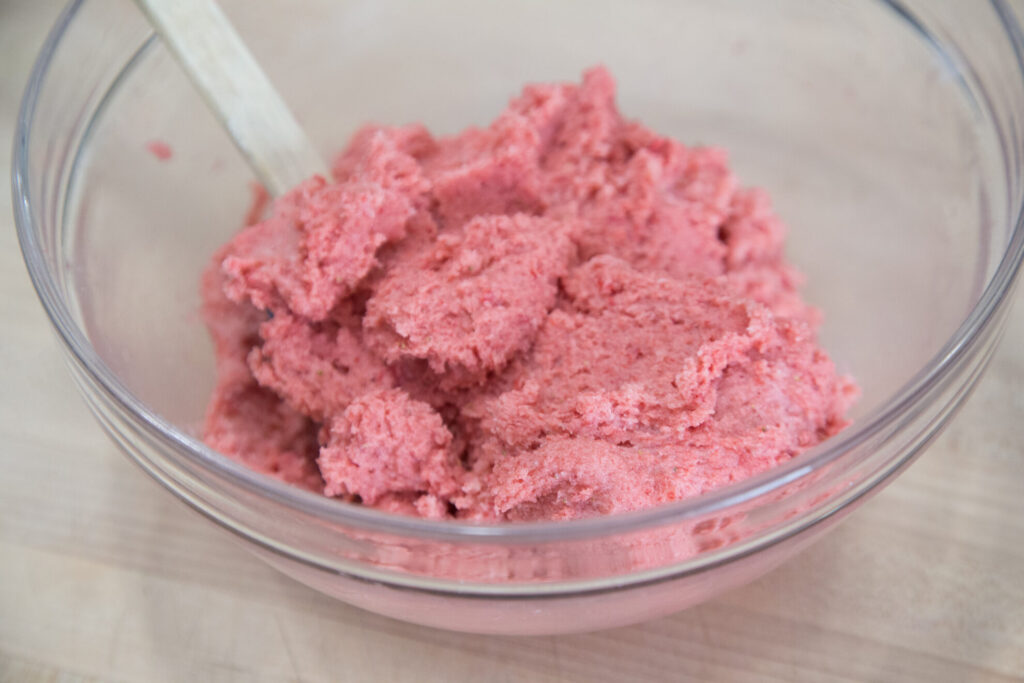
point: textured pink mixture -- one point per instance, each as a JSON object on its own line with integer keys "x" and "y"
{"x": 563, "y": 314}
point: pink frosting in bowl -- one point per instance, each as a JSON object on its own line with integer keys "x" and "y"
{"x": 561, "y": 315}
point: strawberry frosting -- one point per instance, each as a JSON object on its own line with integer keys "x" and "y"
{"x": 561, "y": 315}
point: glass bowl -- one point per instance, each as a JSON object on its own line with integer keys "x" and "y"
{"x": 888, "y": 133}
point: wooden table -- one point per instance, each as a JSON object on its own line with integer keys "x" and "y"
{"x": 104, "y": 576}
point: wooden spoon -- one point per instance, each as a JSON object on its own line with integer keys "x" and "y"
{"x": 235, "y": 88}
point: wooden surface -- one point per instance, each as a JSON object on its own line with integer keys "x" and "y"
{"x": 104, "y": 576}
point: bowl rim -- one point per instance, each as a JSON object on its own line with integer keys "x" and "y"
{"x": 968, "y": 335}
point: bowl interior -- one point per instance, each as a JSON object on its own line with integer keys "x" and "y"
{"x": 884, "y": 169}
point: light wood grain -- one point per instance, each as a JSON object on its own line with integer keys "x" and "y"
{"x": 234, "y": 86}
{"x": 103, "y": 576}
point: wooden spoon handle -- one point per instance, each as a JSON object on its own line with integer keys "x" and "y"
{"x": 236, "y": 89}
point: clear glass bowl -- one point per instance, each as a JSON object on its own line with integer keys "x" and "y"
{"x": 889, "y": 134}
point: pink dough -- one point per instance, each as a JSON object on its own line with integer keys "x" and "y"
{"x": 561, "y": 315}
